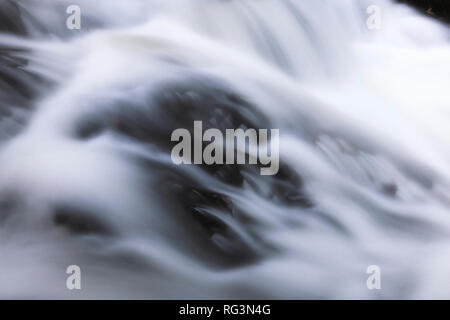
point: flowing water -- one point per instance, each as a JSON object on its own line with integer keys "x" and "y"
{"x": 86, "y": 176}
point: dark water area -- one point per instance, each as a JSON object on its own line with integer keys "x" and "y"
{"x": 436, "y": 8}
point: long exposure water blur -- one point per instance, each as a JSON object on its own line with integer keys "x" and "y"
{"x": 86, "y": 176}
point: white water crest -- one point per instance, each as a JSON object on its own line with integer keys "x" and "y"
{"x": 85, "y": 171}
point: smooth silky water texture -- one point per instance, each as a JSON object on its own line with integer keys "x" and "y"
{"x": 86, "y": 176}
